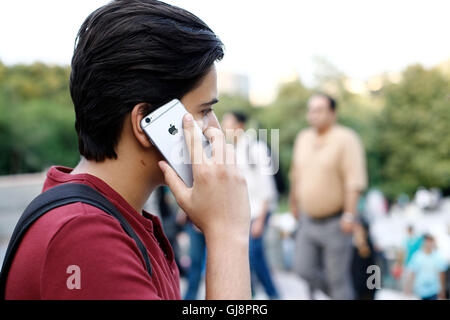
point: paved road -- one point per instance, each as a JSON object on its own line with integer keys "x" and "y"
{"x": 291, "y": 287}
{"x": 15, "y": 194}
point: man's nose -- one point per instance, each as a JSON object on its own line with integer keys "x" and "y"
{"x": 212, "y": 121}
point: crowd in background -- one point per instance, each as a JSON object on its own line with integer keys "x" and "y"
{"x": 329, "y": 244}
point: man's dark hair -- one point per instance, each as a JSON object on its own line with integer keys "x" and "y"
{"x": 331, "y": 101}
{"x": 129, "y": 52}
{"x": 428, "y": 237}
{"x": 240, "y": 116}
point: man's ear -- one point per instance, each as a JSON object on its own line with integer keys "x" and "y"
{"x": 137, "y": 114}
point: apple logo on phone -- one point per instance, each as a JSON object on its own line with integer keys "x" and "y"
{"x": 173, "y": 130}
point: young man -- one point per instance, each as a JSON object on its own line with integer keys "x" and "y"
{"x": 327, "y": 175}
{"x": 427, "y": 272}
{"x": 131, "y": 57}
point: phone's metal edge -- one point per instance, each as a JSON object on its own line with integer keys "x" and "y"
{"x": 152, "y": 114}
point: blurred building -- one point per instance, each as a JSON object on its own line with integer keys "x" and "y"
{"x": 372, "y": 85}
{"x": 266, "y": 91}
{"x": 444, "y": 67}
{"x": 230, "y": 83}
{"x": 375, "y": 83}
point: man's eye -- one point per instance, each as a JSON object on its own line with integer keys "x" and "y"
{"x": 206, "y": 111}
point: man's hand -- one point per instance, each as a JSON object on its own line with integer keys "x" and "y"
{"x": 218, "y": 204}
{"x": 257, "y": 227}
{"x": 293, "y": 205}
{"x": 409, "y": 284}
{"x": 218, "y": 201}
{"x": 348, "y": 222}
{"x": 348, "y": 219}
{"x": 443, "y": 285}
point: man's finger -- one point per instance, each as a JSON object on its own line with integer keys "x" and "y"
{"x": 217, "y": 140}
{"x": 193, "y": 140}
{"x": 230, "y": 154}
{"x": 174, "y": 182}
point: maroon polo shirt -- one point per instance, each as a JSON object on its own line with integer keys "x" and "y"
{"x": 77, "y": 251}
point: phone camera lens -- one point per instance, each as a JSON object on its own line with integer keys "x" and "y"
{"x": 147, "y": 120}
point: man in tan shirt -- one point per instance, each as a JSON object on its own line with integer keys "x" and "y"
{"x": 327, "y": 175}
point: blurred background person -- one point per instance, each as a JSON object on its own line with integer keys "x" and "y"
{"x": 363, "y": 257}
{"x": 427, "y": 272}
{"x": 413, "y": 243}
{"x": 375, "y": 206}
{"x": 252, "y": 156}
{"x": 328, "y": 172}
{"x": 197, "y": 256}
{"x": 423, "y": 198}
{"x": 162, "y": 203}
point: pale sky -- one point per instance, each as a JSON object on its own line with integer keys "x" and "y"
{"x": 265, "y": 40}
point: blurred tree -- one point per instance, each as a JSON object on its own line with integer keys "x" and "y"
{"x": 414, "y": 139}
{"x": 36, "y": 118}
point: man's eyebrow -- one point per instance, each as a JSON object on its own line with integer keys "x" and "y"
{"x": 213, "y": 101}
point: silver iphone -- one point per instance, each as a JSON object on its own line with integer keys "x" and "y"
{"x": 164, "y": 128}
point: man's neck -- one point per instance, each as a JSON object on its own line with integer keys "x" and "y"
{"x": 324, "y": 130}
{"x": 126, "y": 179}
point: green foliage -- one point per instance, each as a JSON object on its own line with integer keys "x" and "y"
{"x": 404, "y": 127}
{"x": 414, "y": 140}
{"x": 229, "y": 103}
{"x": 36, "y": 118}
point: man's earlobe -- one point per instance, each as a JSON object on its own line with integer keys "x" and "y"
{"x": 137, "y": 114}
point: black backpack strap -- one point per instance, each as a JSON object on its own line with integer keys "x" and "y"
{"x": 56, "y": 197}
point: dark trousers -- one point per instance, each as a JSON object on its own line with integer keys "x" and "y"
{"x": 259, "y": 267}
{"x": 197, "y": 253}
{"x": 320, "y": 244}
